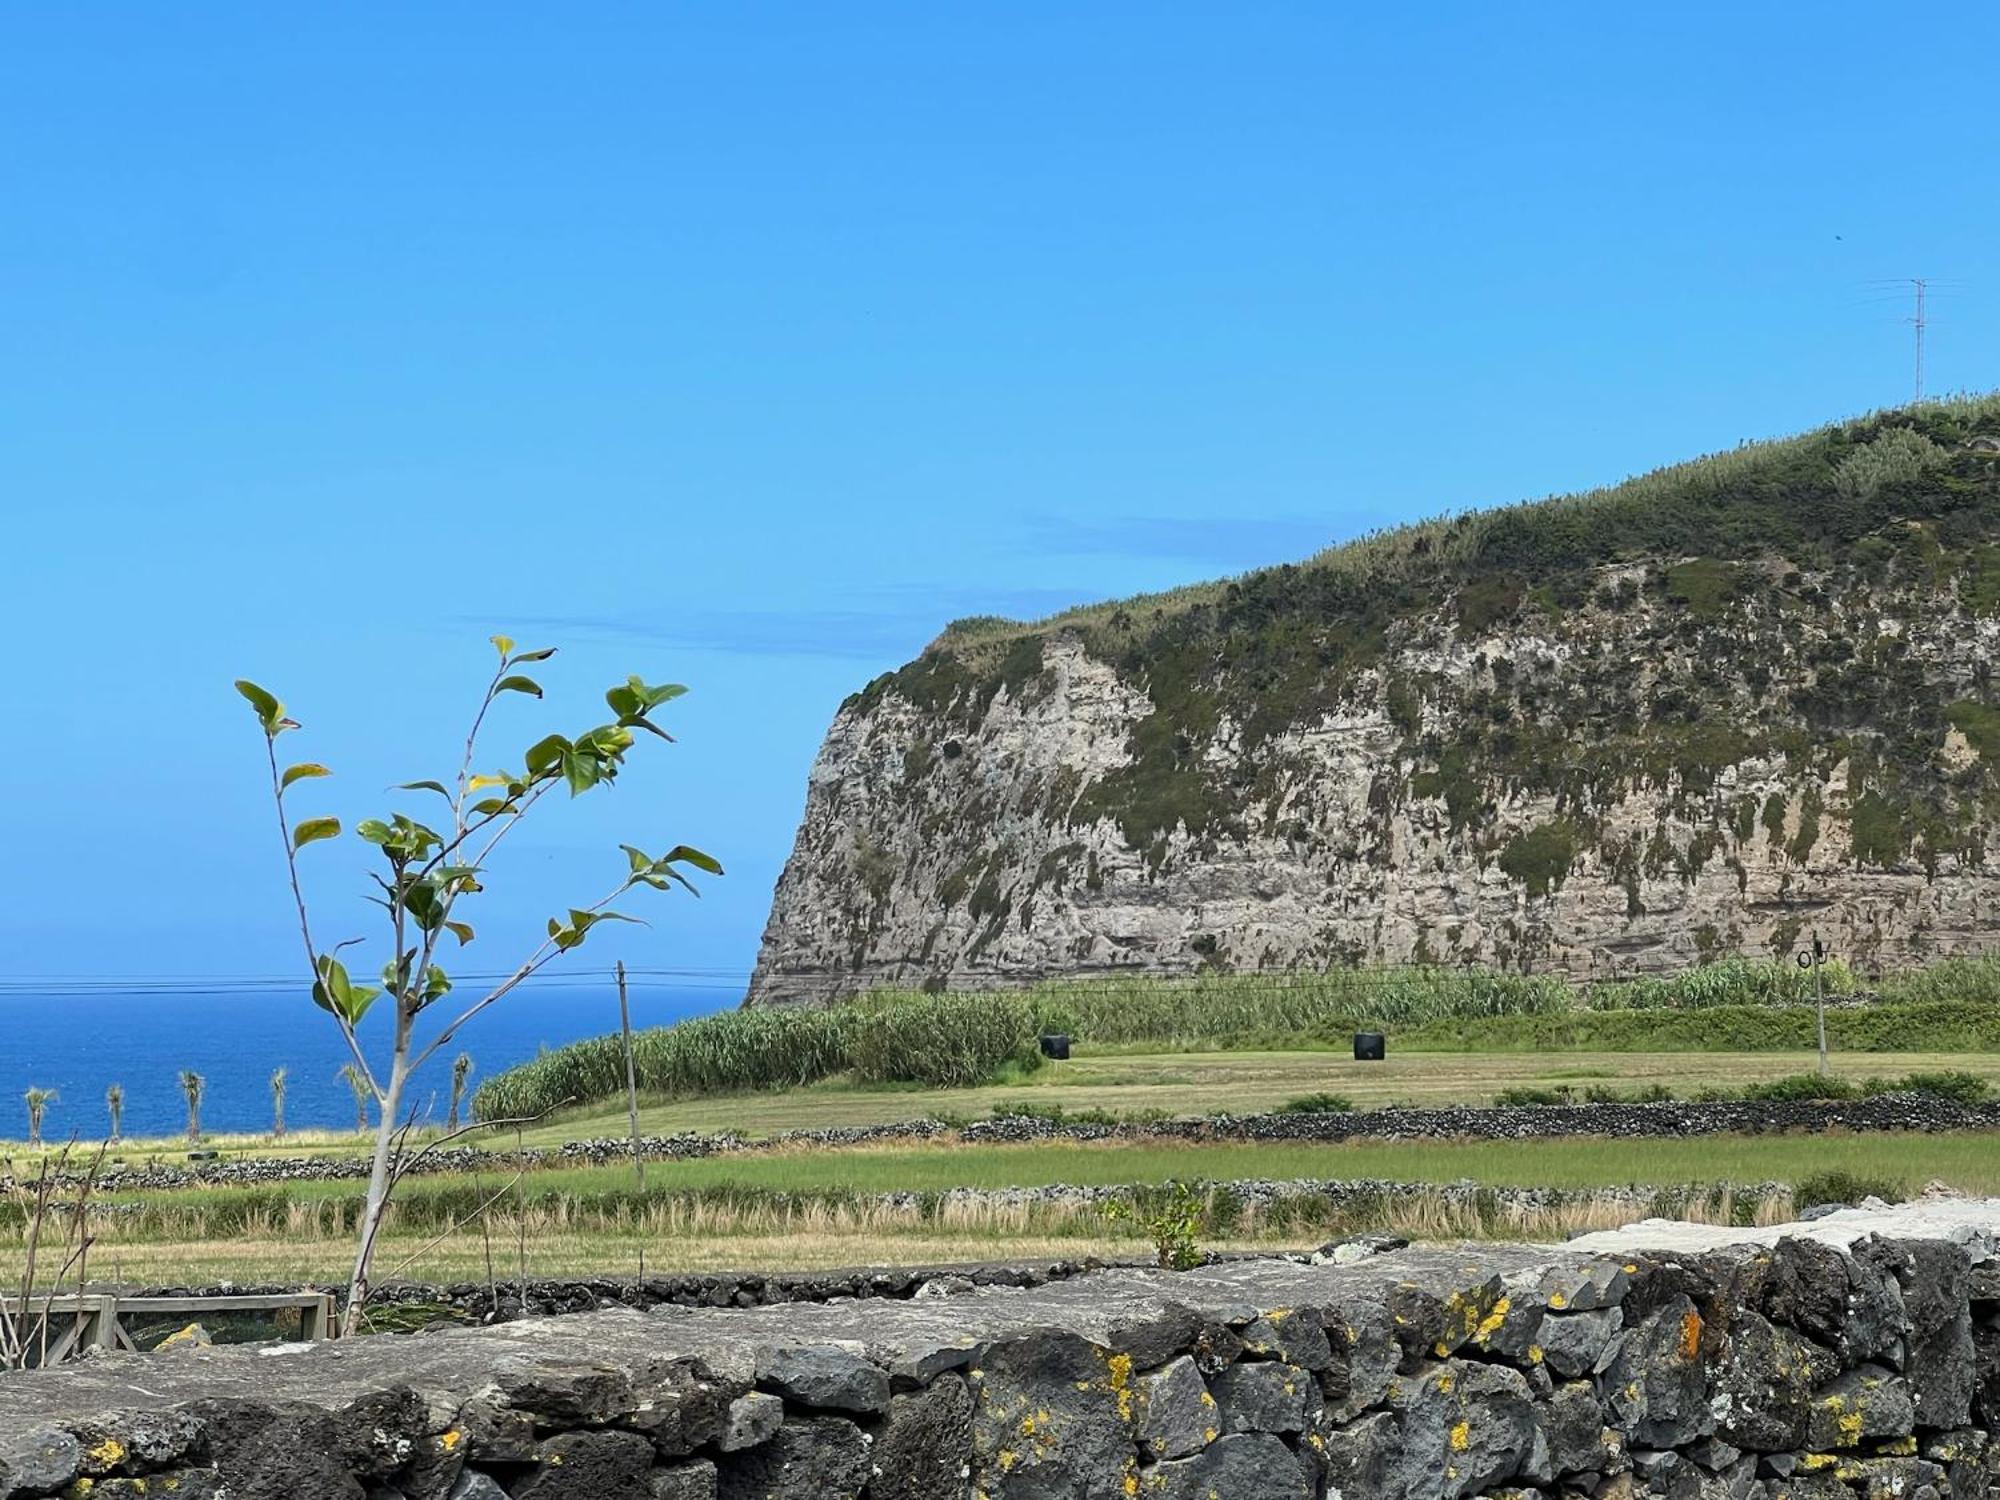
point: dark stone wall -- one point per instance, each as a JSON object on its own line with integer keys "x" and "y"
{"x": 1920, "y": 1112}
{"x": 1802, "y": 1369}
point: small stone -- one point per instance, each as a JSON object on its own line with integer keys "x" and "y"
{"x": 473, "y": 1485}
{"x": 590, "y": 1466}
{"x": 1366, "y": 1356}
{"x": 1266, "y": 1396}
{"x": 495, "y": 1434}
{"x": 1176, "y": 1414}
{"x": 693, "y": 1480}
{"x": 45, "y": 1459}
{"x": 1247, "y": 1466}
{"x": 816, "y": 1458}
{"x": 825, "y": 1376}
{"x": 1296, "y": 1337}
{"x": 754, "y": 1418}
{"x": 135, "y": 1442}
{"x": 924, "y": 1448}
{"x": 1586, "y": 1288}
{"x": 1860, "y": 1405}
{"x": 566, "y": 1396}
{"x": 1571, "y": 1342}
{"x": 1713, "y": 1454}
{"x": 1656, "y": 1383}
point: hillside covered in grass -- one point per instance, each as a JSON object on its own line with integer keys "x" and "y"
{"x": 1698, "y": 712}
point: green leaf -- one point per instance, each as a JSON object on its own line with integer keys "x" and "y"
{"x": 502, "y": 643}
{"x": 270, "y": 712}
{"x": 437, "y": 984}
{"x": 681, "y": 854}
{"x": 359, "y": 998}
{"x": 374, "y": 830}
{"x": 336, "y": 993}
{"x": 581, "y": 770}
{"x": 645, "y": 697}
{"x": 640, "y": 859}
{"x": 488, "y": 807}
{"x": 301, "y": 772}
{"x": 545, "y": 755}
{"x": 460, "y": 930}
{"x": 624, "y": 702}
{"x": 542, "y": 655}
{"x": 424, "y": 786}
{"x": 517, "y": 684}
{"x": 312, "y": 830}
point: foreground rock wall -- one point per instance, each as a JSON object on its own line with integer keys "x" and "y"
{"x": 1837, "y": 1362}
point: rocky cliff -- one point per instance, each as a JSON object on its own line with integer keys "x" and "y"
{"x": 1701, "y": 712}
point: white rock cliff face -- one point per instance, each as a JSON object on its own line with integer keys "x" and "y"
{"x": 1630, "y": 784}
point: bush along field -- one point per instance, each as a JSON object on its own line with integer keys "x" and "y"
{"x": 957, "y": 1040}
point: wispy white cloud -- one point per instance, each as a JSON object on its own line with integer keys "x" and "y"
{"x": 874, "y": 624}
{"x": 1226, "y": 543}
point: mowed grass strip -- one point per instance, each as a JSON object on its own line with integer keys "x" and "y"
{"x": 801, "y": 1209}
{"x": 1199, "y": 1083}
{"x": 1966, "y": 1160}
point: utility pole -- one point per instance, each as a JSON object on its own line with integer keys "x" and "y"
{"x": 632, "y": 1080}
{"x": 1816, "y": 961}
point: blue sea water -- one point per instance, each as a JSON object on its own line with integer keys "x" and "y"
{"x": 78, "y": 1041}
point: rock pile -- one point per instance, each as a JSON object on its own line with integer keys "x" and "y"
{"x": 1924, "y": 1112}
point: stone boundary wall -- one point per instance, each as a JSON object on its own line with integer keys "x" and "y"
{"x": 1921, "y": 1112}
{"x": 1834, "y": 1362}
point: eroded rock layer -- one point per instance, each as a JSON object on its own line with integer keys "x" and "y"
{"x": 1706, "y": 712}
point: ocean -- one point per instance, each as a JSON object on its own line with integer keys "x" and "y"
{"x": 80, "y": 1039}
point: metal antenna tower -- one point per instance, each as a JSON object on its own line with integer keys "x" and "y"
{"x": 1916, "y": 293}
{"x": 1917, "y": 322}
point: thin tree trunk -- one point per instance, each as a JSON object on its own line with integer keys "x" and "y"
{"x": 380, "y": 1184}
{"x": 631, "y": 1078}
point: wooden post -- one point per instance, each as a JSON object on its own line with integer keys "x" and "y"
{"x": 1819, "y": 994}
{"x": 631, "y": 1077}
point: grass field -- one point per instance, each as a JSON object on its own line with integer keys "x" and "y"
{"x": 803, "y": 1208}
{"x": 1199, "y": 1083}
{"x": 797, "y": 1208}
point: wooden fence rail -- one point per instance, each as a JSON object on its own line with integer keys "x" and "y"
{"x": 96, "y": 1320}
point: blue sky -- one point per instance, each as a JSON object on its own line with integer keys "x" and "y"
{"x": 744, "y": 346}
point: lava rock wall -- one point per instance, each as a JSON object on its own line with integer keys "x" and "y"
{"x": 1804, "y": 1369}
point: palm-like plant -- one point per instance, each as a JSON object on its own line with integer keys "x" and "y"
{"x": 461, "y": 1069}
{"x": 114, "y": 1104}
{"x": 278, "y": 1104}
{"x": 38, "y": 1101}
{"x": 192, "y": 1086}
{"x": 358, "y": 1085}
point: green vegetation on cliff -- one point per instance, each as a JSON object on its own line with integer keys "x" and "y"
{"x": 1768, "y": 590}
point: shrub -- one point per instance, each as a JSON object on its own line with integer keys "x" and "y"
{"x": 1961, "y": 1088}
{"x": 1172, "y": 1221}
{"x": 1727, "y": 981}
{"x": 1844, "y": 1188}
{"x": 1799, "y": 1086}
{"x": 1317, "y": 1104}
{"x": 1527, "y": 1094}
{"x": 945, "y": 1041}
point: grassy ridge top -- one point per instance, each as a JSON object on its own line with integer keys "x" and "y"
{"x": 1728, "y": 569}
{"x": 1822, "y": 488}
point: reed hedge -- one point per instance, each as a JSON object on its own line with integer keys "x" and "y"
{"x": 954, "y": 1040}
